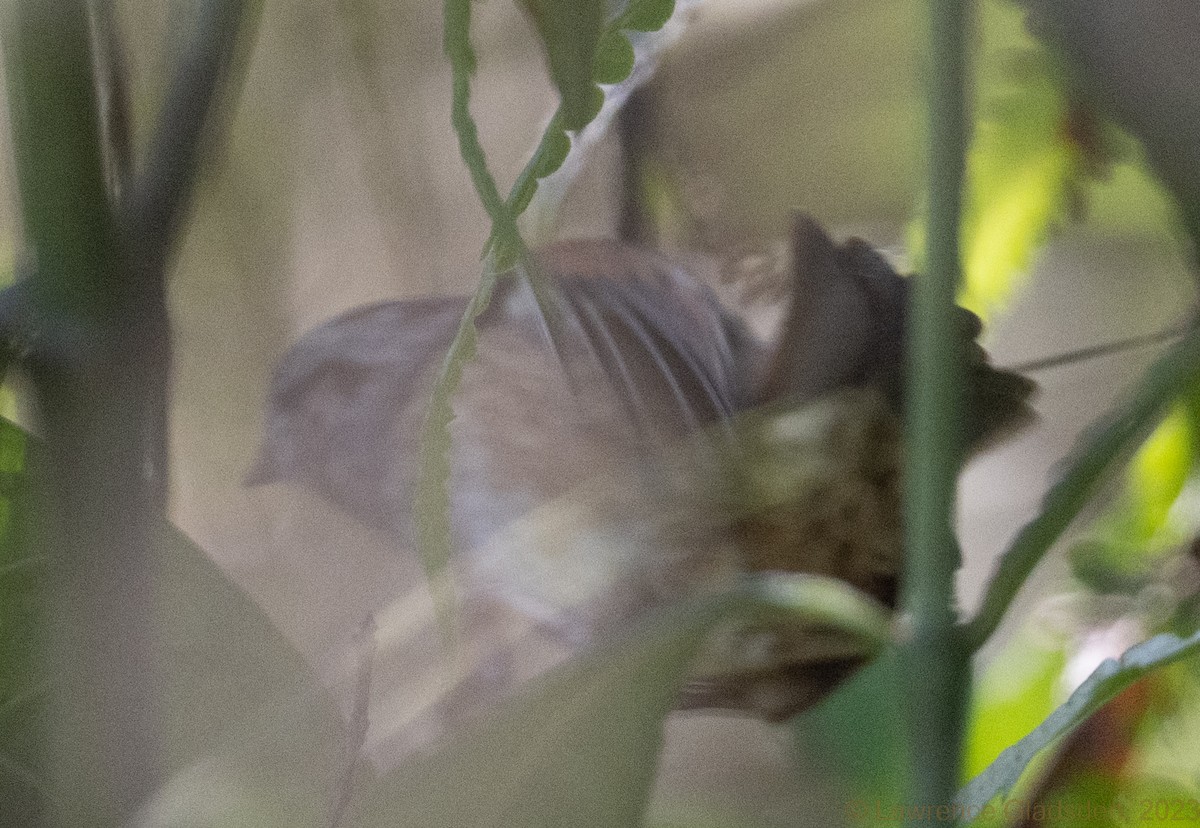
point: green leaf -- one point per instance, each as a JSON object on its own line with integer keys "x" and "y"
{"x": 826, "y": 601}
{"x": 579, "y": 745}
{"x": 646, "y": 15}
{"x": 230, "y": 683}
{"x": 1136, "y": 61}
{"x": 1169, "y": 734}
{"x": 614, "y": 57}
{"x": 1034, "y": 152}
{"x": 252, "y": 738}
{"x": 1018, "y": 690}
{"x": 1108, "y": 680}
{"x": 555, "y": 148}
{"x": 570, "y": 31}
{"x": 1023, "y": 171}
{"x": 431, "y": 501}
{"x": 858, "y": 735}
{"x": 1125, "y": 549}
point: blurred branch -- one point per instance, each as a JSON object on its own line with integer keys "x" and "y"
{"x": 162, "y": 192}
{"x": 356, "y": 733}
{"x": 938, "y": 666}
{"x": 88, "y": 369}
{"x": 157, "y": 201}
{"x": 95, "y": 304}
{"x": 635, "y": 131}
{"x": 1139, "y": 63}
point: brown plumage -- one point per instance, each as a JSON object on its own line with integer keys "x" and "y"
{"x": 670, "y": 453}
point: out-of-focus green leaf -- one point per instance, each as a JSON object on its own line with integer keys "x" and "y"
{"x": 1018, "y": 690}
{"x": 557, "y": 146}
{"x": 646, "y": 15}
{"x": 1149, "y": 800}
{"x": 613, "y": 62}
{"x": 1108, "y": 680}
{"x": 1100, "y": 449}
{"x": 1137, "y": 61}
{"x": 570, "y": 31}
{"x": 1089, "y": 799}
{"x": 858, "y": 735}
{"x": 1031, "y": 156}
{"x": 1125, "y": 548}
{"x": 231, "y": 686}
{"x": 614, "y": 57}
{"x": 1024, "y": 171}
{"x": 251, "y": 737}
{"x": 579, "y": 746}
{"x": 431, "y": 502}
{"x": 22, "y": 685}
{"x": 1168, "y": 743}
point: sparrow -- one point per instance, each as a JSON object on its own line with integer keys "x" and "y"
{"x": 642, "y": 447}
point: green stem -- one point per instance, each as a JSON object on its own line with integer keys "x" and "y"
{"x": 1105, "y": 446}
{"x": 938, "y": 669}
{"x": 162, "y": 192}
{"x": 431, "y": 505}
{"x": 96, "y": 308}
{"x": 504, "y": 250}
{"x": 156, "y": 205}
{"x": 89, "y": 368}
{"x": 462, "y": 66}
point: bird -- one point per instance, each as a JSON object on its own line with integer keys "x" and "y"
{"x": 641, "y": 447}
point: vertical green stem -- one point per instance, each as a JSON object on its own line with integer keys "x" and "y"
{"x": 938, "y": 664}
{"x": 98, "y": 364}
{"x": 90, "y": 366}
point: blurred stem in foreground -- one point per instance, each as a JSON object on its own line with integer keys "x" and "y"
{"x": 95, "y": 309}
{"x": 89, "y": 367}
{"x": 938, "y": 669}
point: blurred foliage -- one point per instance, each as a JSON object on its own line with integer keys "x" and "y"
{"x": 232, "y": 688}
{"x": 22, "y": 684}
{"x": 1106, "y": 683}
{"x": 579, "y": 744}
{"x": 1019, "y": 689}
{"x": 1033, "y": 154}
{"x": 1128, "y": 547}
{"x": 858, "y": 735}
{"x": 1165, "y": 747}
{"x": 1136, "y": 64}
{"x": 610, "y": 60}
{"x": 570, "y": 33}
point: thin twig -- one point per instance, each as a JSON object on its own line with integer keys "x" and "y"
{"x": 1102, "y": 350}
{"x": 356, "y": 733}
